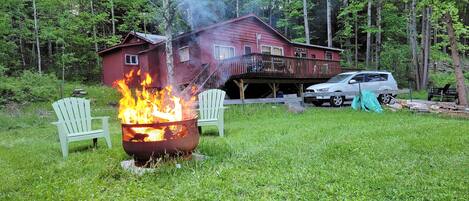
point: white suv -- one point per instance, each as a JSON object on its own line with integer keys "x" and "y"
{"x": 350, "y": 82}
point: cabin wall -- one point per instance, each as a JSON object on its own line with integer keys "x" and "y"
{"x": 113, "y": 67}
{"x": 238, "y": 35}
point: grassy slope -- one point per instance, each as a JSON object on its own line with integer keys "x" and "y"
{"x": 267, "y": 154}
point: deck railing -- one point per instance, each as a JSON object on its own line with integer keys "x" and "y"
{"x": 262, "y": 65}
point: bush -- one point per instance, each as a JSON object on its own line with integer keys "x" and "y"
{"x": 441, "y": 79}
{"x": 28, "y": 87}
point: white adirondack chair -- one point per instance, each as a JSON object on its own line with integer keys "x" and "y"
{"x": 74, "y": 122}
{"x": 211, "y": 109}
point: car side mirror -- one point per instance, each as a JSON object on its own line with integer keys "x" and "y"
{"x": 352, "y": 82}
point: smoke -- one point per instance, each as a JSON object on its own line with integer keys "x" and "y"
{"x": 201, "y": 13}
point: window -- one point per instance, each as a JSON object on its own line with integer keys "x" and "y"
{"x": 359, "y": 78}
{"x": 184, "y": 54}
{"x": 272, "y": 50}
{"x": 376, "y": 77}
{"x": 328, "y": 55}
{"x": 313, "y": 56}
{"x": 131, "y": 59}
{"x": 300, "y": 52}
{"x": 247, "y": 50}
{"x": 223, "y": 52}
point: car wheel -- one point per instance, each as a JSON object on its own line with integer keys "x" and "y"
{"x": 385, "y": 98}
{"x": 317, "y": 103}
{"x": 337, "y": 101}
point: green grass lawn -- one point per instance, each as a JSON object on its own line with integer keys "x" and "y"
{"x": 267, "y": 154}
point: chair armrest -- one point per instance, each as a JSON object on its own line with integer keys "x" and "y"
{"x": 57, "y": 123}
{"x": 104, "y": 122}
{"x": 62, "y": 130}
{"x": 102, "y": 118}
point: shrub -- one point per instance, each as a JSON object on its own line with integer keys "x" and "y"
{"x": 441, "y": 79}
{"x": 28, "y": 87}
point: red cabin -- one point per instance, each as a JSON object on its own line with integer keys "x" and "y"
{"x": 242, "y": 50}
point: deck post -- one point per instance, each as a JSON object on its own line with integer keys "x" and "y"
{"x": 300, "y": 89}
{"x": 301, "y": 92}
{"x": 242, "y": 88}
{"x": 274, "y": 88}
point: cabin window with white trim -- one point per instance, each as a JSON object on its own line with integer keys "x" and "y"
{"x": 272, "y": 50}
{"x": 184, "y": 54}
{"x": 131, "y": 59}
{"x": 328, "y": 55}
{"x": 223, "y": 52}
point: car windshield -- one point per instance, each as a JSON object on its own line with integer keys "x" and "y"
{"x": 338, "y": 78}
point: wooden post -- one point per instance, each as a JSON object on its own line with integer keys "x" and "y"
{"x": 302, "y": 94}
{"x": 300, "y": 89}
{"x": 242, "y": 88}
{"x": 274, "y": 88}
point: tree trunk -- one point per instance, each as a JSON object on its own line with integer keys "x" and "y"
{"x": 96, "y": 49}
{"x": 356, "y": 40}
{"x": 112, "y": 18}
{"x": 36, "y": 33}
{"x": 461, "y": 87}
{"x": 305, "y": 15}
{"x": 378, "y": 34}
{"x": 426, "y": 50}
{"x": 237, "y": 8}
{"x": 329, "y": 26}
{"x": 413, "y": 43}
{"x": 348, "y": 45}
{"x": 23, "y": 59}
{"x": 368, "y": 36}
{"x": 169, "y": 46}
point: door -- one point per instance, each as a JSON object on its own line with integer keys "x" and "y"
{"x": 360, "y": 78}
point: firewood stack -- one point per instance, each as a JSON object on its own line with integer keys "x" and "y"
{"x": 430, "y": 107}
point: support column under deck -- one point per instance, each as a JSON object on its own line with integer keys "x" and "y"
{"x": 242, "y": 88}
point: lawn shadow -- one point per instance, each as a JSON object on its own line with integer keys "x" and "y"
{"x": 209, "y": 132}
{"x": 88, "y": 147}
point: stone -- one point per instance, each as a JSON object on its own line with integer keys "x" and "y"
{"x": 130, "y": 166}
{"x": 294, "y": 108}
{"x": 395, "y": 106}
{"x": 434, "y": 107}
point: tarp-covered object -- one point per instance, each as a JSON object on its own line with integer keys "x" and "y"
{"x": 367, "y": 101}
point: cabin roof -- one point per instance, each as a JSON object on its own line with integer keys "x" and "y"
{"x": 151, "y": 38}
{"x": 158, "y": 39}
{"x": 318, "y": 46}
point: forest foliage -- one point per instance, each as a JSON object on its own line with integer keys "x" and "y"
{"x": 70, "y": 31}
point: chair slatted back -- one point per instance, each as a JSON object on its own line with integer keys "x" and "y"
{"x": 210, "y": 103}
{"x": 75, "y": 113}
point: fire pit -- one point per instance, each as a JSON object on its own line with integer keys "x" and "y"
{"x": 155, "y": 123}
{"x": 147, "y": 141}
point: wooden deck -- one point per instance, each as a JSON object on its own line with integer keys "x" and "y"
{"x": 279, "y": 67}
{"x": 275, "y": 70}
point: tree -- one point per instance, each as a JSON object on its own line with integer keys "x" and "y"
{"x": 305, "y": 14}
{"x": 329, "y": 23}
{"x": 168, "y": 8}
{"x": 460, "y": 86}
{"x": 378, "y": 33}
{"x": 113, "y": 21}
{"x": 368, "y": 35}
{"x": 427, "y": 14}
{"x": 36, "y": 33}
{"x": 413, "y": 42}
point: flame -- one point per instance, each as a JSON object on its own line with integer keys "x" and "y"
{"x": 147, "y": 106}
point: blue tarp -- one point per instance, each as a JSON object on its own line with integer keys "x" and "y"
{"x": 367, "y": 101}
